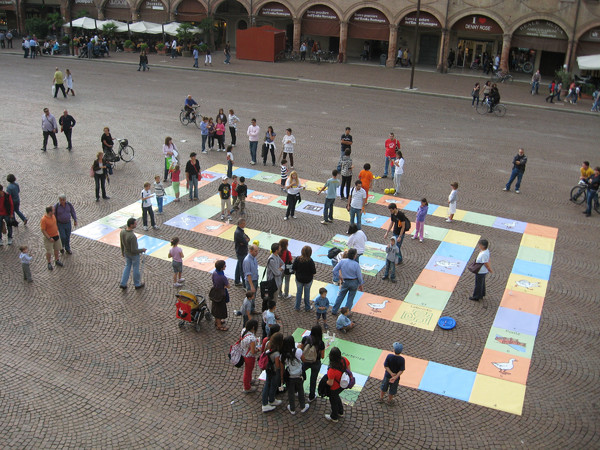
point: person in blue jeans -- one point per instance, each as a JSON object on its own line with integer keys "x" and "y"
{"x": 519, "y": 162}
{"x": 193, "y": 175}
{"x": 204, "y": 133}
{"x": 131, "y": 252}
{"x": 331, "y": 185}
{"x": 356, "y": 203}
{"x": 273, "y": 371}
{"x": 305, "y": 270}
{"x": 352, "y": 280}
{"x": 592, "y": 194}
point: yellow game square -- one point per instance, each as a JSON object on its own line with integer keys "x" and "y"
{"x": 212, "y": 201}
{"x": 163, "y": 252}
{"x": 498, "y": 394}
{"x": 417, "y": 316}
{"x": 442, "y": 211}
{"x": 313, "y": 185}
{"x": 133, "y": 210}
{"x": 228, "y": 234}
{"x": 461, "y": 238}
{"x": 528, "y": 285}
{"x": 541, "y": 243}
{"x": 341, "y": 213}
{"x": 219, "y": 168}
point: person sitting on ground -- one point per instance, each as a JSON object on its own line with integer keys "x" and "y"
{"x": 343, "y": 323}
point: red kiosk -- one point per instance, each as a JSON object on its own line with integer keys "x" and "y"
{"x": 260, "y": 43}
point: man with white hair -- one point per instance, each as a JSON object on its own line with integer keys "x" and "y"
{"x": 64, "y": 211}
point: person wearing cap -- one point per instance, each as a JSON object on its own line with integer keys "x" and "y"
{"x": 394, "y": 367}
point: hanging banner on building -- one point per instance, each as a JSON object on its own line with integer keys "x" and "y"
{"x": 275, "y": 10}
{"x": 425, "y": 20}
{"x": 118, "y": 4}
{"x": 154, "y": 5}
{"x": 320, "y": 12}
{"x": 541, "y": 28}
{"x": 369, "y": 15}
{"x": 478, "y": 24}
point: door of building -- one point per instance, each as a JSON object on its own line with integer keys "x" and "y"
{"x": 428, "y": 49}
{"x": 550, "y": 62}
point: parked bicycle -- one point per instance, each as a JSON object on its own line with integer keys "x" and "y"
{"x": 526, "y": 67}
{"x": 579, "y": 195}
{"x": 192, "y": 117}
{"x": 485, "y": 107}
{"x": 501, "y": 77}
{"x": 125, "y": 152}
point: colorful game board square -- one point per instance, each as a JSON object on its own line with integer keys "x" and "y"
{"x": 371, "y": 266}
{"x": 531, "y": 269}
{"x": 441, "y": 211}
{"x": 265, "y": 239}
{"x": 113, "y": 238}
{"x": 432, "y": 208}
{"x": 374, "y": 197}
{"x": 535, "y": 255}
{"x": 279, "y": 202}
{"x": 520, "y": 301}
{"x": 201, "y": 260}
{"x": 213, "y": 200}
{"x": 320, "y": 256}
{"x": 511, "y": 342}
{"x": 182, "y": 190}
{"x": 267, "y": 177}
{"x": 362, "y": 358}
{"x": 312, "y": 186}
{"x": 412, "y": 376}
{"x": 454, "y": 251}
{"x": 509, "y": 225}
{"x": 245, "y": 172}
{"x": 479, "y": 219}
{"x": 498, "y": 394}
{"x": 339, "y": 240}
{"x": 295, "y": 247}
{"x": 315, "y": 209}
{"x": 461, "y": 238}
{"x": 522, "y": 322}
{"x": 377, "y": 306}
{"x": 116, "y": 219}
{"x": 427, "y": 297}
{"x": 386, "y": 225}
{"x": 151, "y": 244}
{"x": 212, "y": 227}
{"x": 260, "y": 197}
{"x": 541, "y": 230}
{"x": 211, "y": 175}
{"x": 437, "y": 280}
{"x": 375, "y": 250}
{"x": 252, "y": 234}
{"x": 373, "y": 220}
{"x": 528, "y": 285}
{"x": 332, "y": 294}
{"x": 163, "y": 252}
{"x": 445, "y": 264}
{"x": 386, "y": 200}
{"x": 218, "y": 168}
{"x": 417, "y": 316}
{"x": 449, "y": 381}
{"x": 541, "y": 243}
{"x": 341, "y": 214}
{"x": 503, "y": 366}
{"x": 204, "y": 211}
{"x": 431, "y": 232}
{"x": 133, "y": 210}
{"x": 413, "y": 206}
{"x": 96, "y": 230}
{"x": 185, "y": 221}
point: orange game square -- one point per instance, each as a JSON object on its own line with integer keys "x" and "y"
{"x": 377, "y": 306}
{"x": 415, "y": 368}
{"x": 212, "y": 227}
{"x": 261, "y": 197}
{"x": 522, "y": 302}
{"x": 504, "y": 366}
{"x": 400, "y": 202}
{"x": 437, "y": 280}
{"x": 206, "y": 260}
{"x": 112, "y": 238}
{"x": 541, "y": 230}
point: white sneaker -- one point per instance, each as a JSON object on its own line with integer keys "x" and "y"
{"x": 9, "y": 241}
{"x": 267, "y": 408}
{"x": 293, "y": 413}
{"x": 517, "y": 192}
{"x": 303, "y": 410}
{"x": 328, "y": 417}
{"x": 145, "y": 228}
{"x": 276, "y": 403}
{"x": 156, "y": 227}
{"x": 285, "y": 218}
{"x": 324, "y": 222}
{"x": 294, "y": 217}
{"x": 449, "y": 220}
{"x": 504, "y": 189}
{"x": 181, "y": 280}
{"x": 252, "y": 163}
{"x": 177, "y": 285}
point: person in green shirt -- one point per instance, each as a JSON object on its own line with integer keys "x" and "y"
{"x": 58, "y": 82}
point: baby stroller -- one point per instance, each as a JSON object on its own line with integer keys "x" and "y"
{"x": 191, "y": 308}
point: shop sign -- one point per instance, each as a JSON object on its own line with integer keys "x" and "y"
{"x": 592, "y": 35}
{"x": 275, "y": 10}
{"x": 369, "y": 15}
{"x": 321, "y": 12}
{"x": 478, "y": 24}
{"x": 84, "y": 2}
{"x": 425, "y": 20}
{"x": 541, "y": 28}
{"x": 155, "y": 5}
{"x": 6, "y": 2}
{"x": 118, "y": 4}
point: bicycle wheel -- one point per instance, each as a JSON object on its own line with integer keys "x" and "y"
{"x": 578, "y": 195}
{"x": 596, "y": 205}
{"x": 499, "y": 110}
{"x": 528, "y": 67}
{"x": 508, "y": 78}
{"x": 483, "y": 108}
{"x": 185, "y": 120}
{"x": 198, "y": 119}
{"x": 127, "y": 153}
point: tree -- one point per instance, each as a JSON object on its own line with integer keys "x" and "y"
{"x": 37, "y": 26}
{"x": 184, "y": 33}
{"x": 54, "y": 22}
{"x": 109, "y": 30}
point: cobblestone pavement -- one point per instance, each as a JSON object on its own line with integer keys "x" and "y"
{"x": 85, "y": 364}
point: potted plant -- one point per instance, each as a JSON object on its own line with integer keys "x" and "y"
{"x": 184, "y": 36}
{"x": 160, "y": 48}
{"x": 144, "y": 47}
{"x": 110, "y": 30}
{"x": 64, "y": 46}
{"x": 128, "y": 45}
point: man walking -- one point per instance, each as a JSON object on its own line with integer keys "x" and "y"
{"x": 7, "y": 214}
{"x": 131, "y": 252}
{"x": 535, "y": 82}
{"x": 356, "y": 203}
{"x": 64, "y": 211}
{"x": 240, "y": 240}
{"x": 250, "y": 268}
{"x": 331, "y": 185}
{"x": 352, "y": 280}
{"x": 398, "y": 221}
{"x": 67, "y": 123}
{"x": 51, "y": 237}
{"x": 9, "y": 38}
{"x": 253, "y": 136}
{"x": 49, "y": 128}
{"x": 391, "y": 145}
{"x": 173, "y": 49}
{"x": 519, "y": 162}
{"x": 58, "y": 82}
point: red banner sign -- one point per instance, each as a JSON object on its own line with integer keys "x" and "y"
{"x": 275, "y": 10}
{"x": 321, "y": 12}
{"x": 425, "y": 20}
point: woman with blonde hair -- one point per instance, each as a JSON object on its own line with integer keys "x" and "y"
{"x": 170, "y": 153}
{"x": 293, "y": 188}
{"x": 100, "y": 169}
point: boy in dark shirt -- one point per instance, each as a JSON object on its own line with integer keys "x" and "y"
{"x": 225, "y": 194}
{"x": 240, "y": 201}
{"x": 394, "y": 366}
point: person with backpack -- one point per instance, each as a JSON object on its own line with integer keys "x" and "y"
{"x": 272, "y": 367}
{"x": 250, "y": 348}
{"x": 401, "y": 225}
{"x": 337, "y": 366}
{"x": 291, "y": 358}
{"x": 313, "y": 351}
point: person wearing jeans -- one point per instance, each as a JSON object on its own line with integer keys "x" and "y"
{"x": 204, "y": 133}
{"x": 253, "y": 136}
{"x": 331, "y": 185}
{"x": 519, "y": 162}
{"x": 356, "y": 203}
{"x": 592, "y": 194}
{"x": 131, "y": 252}
{"x": 391, "y": 145}
{"x": 305, "y": 270}
{"x": 353, "y": 280}
{"x": 64, "y": 211}
{"x": 193, "y": 175}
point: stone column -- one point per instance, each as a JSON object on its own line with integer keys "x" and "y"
{"x": 393, "y": 46}
{"x": 297, "y": 33}
{"x": 505, "y": 56}
{"x": 343, "y": 39}
{"x": 101, "y": 13}
{"x": 570, "y": 55}
{"x": 442, "y": 65}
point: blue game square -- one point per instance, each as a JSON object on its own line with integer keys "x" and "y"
{"x": 371, "y": 266}
{"x": 151, "y": 244}
{"x": 509, "y": 225}
{"x": 94, "y": 230}
{"x": 413, "y": 205}
{"x": 373, "y": 220}
{"x": 332, "y": 293}
{"x": 320, "y": 255}
{"x": 229, "y": 271}
{"x": 456, "y": 251}
{"x": 431, "y": 208}
{"x": 295, "y": 247}
{"x": 446, "y": 264}
{"x": 244, "y": 172}
{"x": 184, "y": 221}
{"x": 513, "y": 320}
{"x": 532, "y": 269}
{"x": 449, "y": 381}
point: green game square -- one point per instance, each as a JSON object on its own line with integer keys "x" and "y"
{"x": 276, "y": 203}
{"x": 267, "y": 177}
{"x": 116, "y": 219}
{"x": 204, "y": 211}
{"x": 266, "y": 239}
{"x": 373, "y": 252}
{"x": 535, "y": 255}
{"x": 375, "y": 196}
{"x": 182, "y": 191}
{"x": 431, "y": 232}
{"x": 493, "y": 344}
{"x": 428, "y": 297}
{"x": 479, "y": 219}
{"x": 362, "y": 358}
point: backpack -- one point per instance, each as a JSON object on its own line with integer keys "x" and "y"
{"x": 406, "y": 224}
{"x": 333, "y": 252}
{"x": 235, "y": 354}
{"x": 323, "y": 388}
{"x": 309, "y": 351}
{"x": 264, "y": 361}
{"x": 294, "y": 367}
{"x": 347, "y": 381}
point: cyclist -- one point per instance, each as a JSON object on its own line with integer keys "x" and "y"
{"x": 586, "y": 171}
{"x": 189, "y": 107}
{"x": 494, "y": 97}
{"x": 593, "y": 184}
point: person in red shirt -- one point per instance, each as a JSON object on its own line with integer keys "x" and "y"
{"x": 391, "y": 145}
{"x": 7, "y": 213}
{"x": 337, "y": 366}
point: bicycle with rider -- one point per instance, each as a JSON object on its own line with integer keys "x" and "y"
{"x": 189, "y": 107}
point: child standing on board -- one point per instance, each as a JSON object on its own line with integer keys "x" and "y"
{"x": 321, "y": 306}
{"x": 175, "y": 172}
{"x": 366, "y": 176}
{"x": 229, "y": 161}
{"x": 25, "y": 259}
{"x": 159, "y": 191}
{"x": 177, "y": 254}
{"x": 420, "y": 222}
{"x": 240, "y": 201}
{"x": 225, "y": 194}
{"x": 390, "y": 260}
{"x": 284, "y": 173}
{"x": 452, "y": 201}
{"x": 147, "y": 207}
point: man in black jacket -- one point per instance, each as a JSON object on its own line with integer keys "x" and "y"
{"x": 67, "y": 122}
{"x": 240, "y": 239}
{"x": 519, "y": 162}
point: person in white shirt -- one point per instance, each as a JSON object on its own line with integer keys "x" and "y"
{"x": 356, "y": 204}
{"x": 288, "y": 147}
{"x": 49, "y": 128}
{"x": 484, "y": 259}
{"x": 293, "y": 188}
{"x": 232, "y": 120}
{"x": 357, "y": 240}
{"x": 147, "y": 207}
{"x": 398, "y": 171}
{"x": 253, "y": 136}
{"x": 173, "y": 49}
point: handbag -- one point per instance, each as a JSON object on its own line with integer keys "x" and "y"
{"x": 92, "y": 172}
{"x": 267, "y": 288}
{"x": 474, "y": 267}
{"x": 216, "y": 295}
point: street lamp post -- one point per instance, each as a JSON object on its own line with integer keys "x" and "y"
{"x": 414, "y": 53}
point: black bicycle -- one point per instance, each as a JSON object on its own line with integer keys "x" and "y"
{"x": 187, "y": 117}
{"x": 125, "y": 153}
{"x": 579, "y": 195}
{"x": 485, "y": 107}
